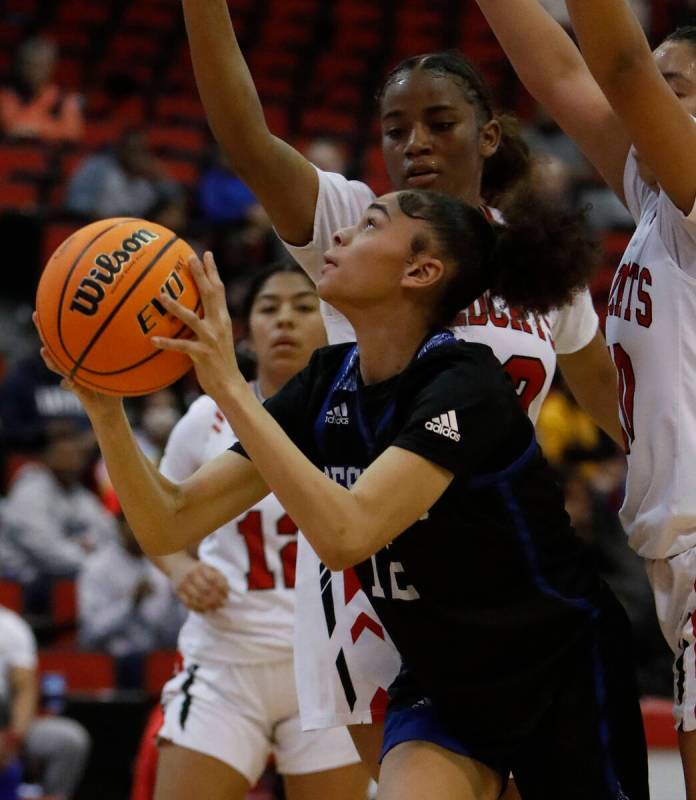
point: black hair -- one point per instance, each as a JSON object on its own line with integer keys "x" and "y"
{"x": 686, "y": 33}
{"x": 536, "y": 261}
{"x": 510, "y": 164}
{"x": 258, "y": 281}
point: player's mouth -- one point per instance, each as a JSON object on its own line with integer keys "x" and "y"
{"x": 421, "y": 175}
{"x": 329, "y": 264}
{"x": 284, "y": 343}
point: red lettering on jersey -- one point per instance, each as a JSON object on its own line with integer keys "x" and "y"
{"x": 540, "y": 329}
{"x": 362, "y": 623}
{"x": 499, "y": 318}
{"x": 378, "y": 705}
{"x": 644, "y": 317}
{"x": 617, "y": 291}
{"x": 520, "y": 322}
{"x": 480, "y": 316}
{"x": 633, "y": 275}
{"x": 351, "y": 584}
{"x": 460, "y": 320}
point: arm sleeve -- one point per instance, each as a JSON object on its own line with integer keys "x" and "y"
{"x": 468, "y": 421}
{"x": 183, "y": 454}
{"x": 340, "y": 203}
{"x": 678, "y": 233}
{"x": 575, "y": 325}
{"x": 638, "y": 193}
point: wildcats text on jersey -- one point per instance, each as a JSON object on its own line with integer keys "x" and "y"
{"x": 636, "y": 302}
{"x": 483, "y": 311}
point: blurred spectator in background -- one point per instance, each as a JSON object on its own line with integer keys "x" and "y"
{"x": 125, "y": 605}
{"x": 30, "y": 397}
{"x": 327, "y": 154}
{"x": 159, "y": 413}
{"x": 32, "y": 106}
{"x": 222, "y": 196}
{"x": 51, "y": 520}
{"x": 173, "y": 213}
{"x": 126, "y": 180}
{"x": 50, "y": 751}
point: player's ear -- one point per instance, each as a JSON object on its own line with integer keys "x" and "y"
{"x": 423, "y": 271}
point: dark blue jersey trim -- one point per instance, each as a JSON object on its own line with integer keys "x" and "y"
{"x": 492, "y": 478}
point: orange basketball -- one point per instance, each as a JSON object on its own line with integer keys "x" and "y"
{"x": 98, "y": 305}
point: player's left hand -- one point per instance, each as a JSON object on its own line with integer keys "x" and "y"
{"x": 212, "y": 348}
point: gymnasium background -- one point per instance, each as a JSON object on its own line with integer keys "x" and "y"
{"x": 119, "y": 88}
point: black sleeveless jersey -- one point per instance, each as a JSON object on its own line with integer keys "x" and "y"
{"x": 488, "y": 592}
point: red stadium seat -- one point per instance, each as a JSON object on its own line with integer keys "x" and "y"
{"x": 326, "y": 121}
{"x": 171, "y": 137}
{"x": 64, "y": 602}
{"x": 23, "y": 159}
{"x": 20, "y": 196}
{"x": 11, "y": 595}
{"x": 179, "y": 108}
{"x": 54, "y": 234}
{"x": 160, "y": 665}
{"x": 185, "y": 171}
{"x": 83, "y": 671}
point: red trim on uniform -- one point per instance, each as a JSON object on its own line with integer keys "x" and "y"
{"x": 219, "y": 416}
{"x": 488, "y": 214}
{"x": 217, "y": 429}
{"x": 363, "y": 622}
{"x": 378, "y": 705}
{"x": 351, "y": 584}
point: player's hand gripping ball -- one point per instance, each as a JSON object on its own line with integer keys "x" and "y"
{"x": 99, "y": 302}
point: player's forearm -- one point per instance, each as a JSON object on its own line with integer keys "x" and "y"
{"x": 327, "y": 514}
{"x": 611, "y": 39}
{"x": 173, "y": 565}
{"x": 224, "y": 83}
{"x": 541, "y": 52}
{"x": 149, "y": 501}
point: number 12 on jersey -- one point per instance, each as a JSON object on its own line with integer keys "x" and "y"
{"x": 259, "y": 576}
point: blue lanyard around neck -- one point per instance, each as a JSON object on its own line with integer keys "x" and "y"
{"x": 346, "y": 386}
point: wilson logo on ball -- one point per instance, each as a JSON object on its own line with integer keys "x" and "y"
{"x": 91, "y": 290}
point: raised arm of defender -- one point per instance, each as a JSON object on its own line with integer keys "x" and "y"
{"x": 552, "y": 69}
{"x": 618, "y": 54}
{"x": 285, "y": 183}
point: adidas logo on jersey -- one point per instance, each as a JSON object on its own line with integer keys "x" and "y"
{"x": 338, "y": 415}
{"x": 445, "y": 425}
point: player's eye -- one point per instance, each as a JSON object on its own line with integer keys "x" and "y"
{"x": 369, "y": 223}
{"x": 393, "y": 133}
{"x": 441, "y": 127}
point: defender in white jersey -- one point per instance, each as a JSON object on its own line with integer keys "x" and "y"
{"x": 439, "y": 132}
{"x": 631, "y": 111}
{"x": 234, "y": 703}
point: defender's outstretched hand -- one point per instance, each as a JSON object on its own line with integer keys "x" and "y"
{"x": 212, "y": 348}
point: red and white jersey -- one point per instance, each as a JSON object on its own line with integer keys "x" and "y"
{"x": 255, "y": 552}
{"x": 651, "y": 333}
{"x": 344, "y": 660}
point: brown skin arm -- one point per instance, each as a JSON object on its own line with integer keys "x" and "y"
{"x": 618, "y": 54}
{"x": 550, "y": 66}
{"x": 25, "y": 692}
{"x": 591, "y": 377}
{"x": 264, "y": 162}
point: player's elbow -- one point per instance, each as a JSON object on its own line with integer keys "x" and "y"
{"x": 344, "y": 548}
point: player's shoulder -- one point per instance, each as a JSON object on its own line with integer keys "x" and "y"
{"x": 12, "y": 625}
{"x": 328, "y": 359}
{"x": 463, "y": 371}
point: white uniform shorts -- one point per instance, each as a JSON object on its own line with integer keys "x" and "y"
{"x": 241, "y": 714}
{"x": 674, "y": 585}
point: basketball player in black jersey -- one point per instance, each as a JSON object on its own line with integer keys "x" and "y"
{"x": 407, "y": 455}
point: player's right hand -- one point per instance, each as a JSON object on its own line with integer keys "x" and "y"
{"x": 202, "y": 588}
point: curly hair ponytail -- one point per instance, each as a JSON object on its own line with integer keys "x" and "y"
{"x": 536, "y": 261}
